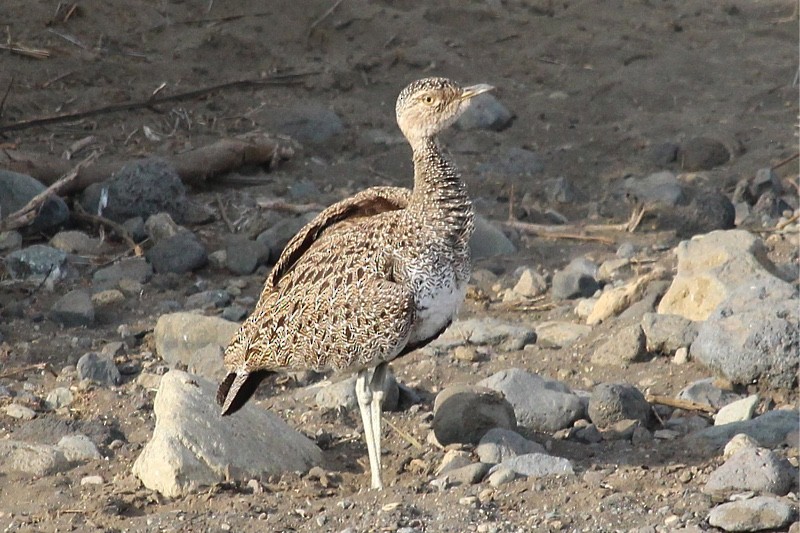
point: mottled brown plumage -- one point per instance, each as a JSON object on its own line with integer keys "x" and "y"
{"x": 371, "y": 277}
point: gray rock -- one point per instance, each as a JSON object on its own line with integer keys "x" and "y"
{"x": 309, "y": 124}
{"x": 74, "y": 309}
{"x": 769, "y": 429}
{"x": 207, "y": 362}
{"x": 500, "y": 475}
{"x": 710, "y": 268}
{"x": 576, "y": 280}
{"x": 535, "y": 465}
{"x": 707, "y": 211}
{"x": 98, "y": 368}
{"x": 34, "y": 459}
{"x": 661, "y": 188}
{"x": 234, "y": 313}
{"x": 627, "y": 250}
{"x": 561, "y": 191}
{"x": 499, "y": 444}
{"x": 16, "y": 190}
{"x": 626, "y": 345}
{"x": 530, "y": 285}
{"x": 468, "y": 475}
{"x": 485, "y": 332}
{"x": 666, "y": 333}
{"x": 135, "y": 228}
{"x": 756, "y": 514}
{"x": 702, "y": 153}
{"x": 559, "y": 334}
{"x": 36, "y": 262}
{"x": 58, "y": 398}
{"x": 76, "y": 242}
{"x": 10, "y": 240}
{"x": 180, "y": 253}
{"x": 78, "y": 448}
{"x": 134, "y": 269}
{"x": 663, "y": 154}
{"x": 192, "y": 446}
{"x": 489, "y": 240}
{"x": 161, "y": 226}
{"x": 342, "y": 394}
{"x": 704, "y": 391}
{"x": 614, "y": 402}
{"x": 243, "y": 256}
{"x": 206, "y": 299}
{"x": 753, "y": 335}
{"x": 179, "y": 335}
{"x": 765, "y": 180}
{"x": 737, "y": 411}
{"x": 539, "y": 404}
{"x": 756, "y": 469}
{"x": 485, "y": 112}
{"x": 140, "y": 189}
{"x": 276, "y": 237}
{"x": 20, "y": 412}
{"x": 464, "y": 413}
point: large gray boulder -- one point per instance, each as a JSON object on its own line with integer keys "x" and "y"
{"x": 16, "y": 190}
{"x": 539, "y": 404}
{"x": 710, "y": 268}
{"x": 753, "y": 335}
{"x": 179, "y": 336}
{"x": 193, "y": 446}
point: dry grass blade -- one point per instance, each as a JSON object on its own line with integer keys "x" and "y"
{"x": 35, "y": 53}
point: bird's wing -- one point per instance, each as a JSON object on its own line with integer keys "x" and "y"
{"x": 366, "y": 203}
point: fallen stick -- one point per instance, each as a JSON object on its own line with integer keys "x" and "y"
{"x": 563, "y": 231}
{"x": 279, "y": 79}
{"x": 280, "y": 205}
{"x": 686, "y": 405}
{"x": 25, "y": 215}
{"x": 194, "y": 167}
{"x": 119, "y": 229}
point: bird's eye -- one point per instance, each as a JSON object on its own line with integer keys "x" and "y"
{"x": 428, "y": 99}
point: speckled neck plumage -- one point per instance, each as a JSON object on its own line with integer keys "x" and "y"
{"x": 439, "y": 195}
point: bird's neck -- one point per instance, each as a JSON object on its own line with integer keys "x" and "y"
{"x": 439, "y": 194}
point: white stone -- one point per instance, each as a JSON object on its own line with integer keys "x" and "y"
{"x": 193, "y": 446}
{"x": 737, "y": 411}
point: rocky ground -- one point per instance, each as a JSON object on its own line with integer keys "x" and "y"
{"x": 626, "y": 359}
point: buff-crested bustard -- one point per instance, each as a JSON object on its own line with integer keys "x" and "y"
{"x": 371, "y": 278}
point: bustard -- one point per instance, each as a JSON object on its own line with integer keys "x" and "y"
{"x": 371, "y": 278}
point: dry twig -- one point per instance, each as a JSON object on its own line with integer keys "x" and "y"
{"x": 321, "y": 19}
{"x": 560, "y": 232}
{"x": 80, "y": 214}
{"x": 677, "y": 403}
{"x": 25, "y": 215}
{"x": 280, "y": 205}
{"x": 279, "y": 79}
{"x": 224, "y": 215}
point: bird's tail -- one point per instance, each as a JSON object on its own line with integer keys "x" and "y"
{"x": 237, "y": 388}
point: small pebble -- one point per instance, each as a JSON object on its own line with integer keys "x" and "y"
{"x": 91, "y": 480}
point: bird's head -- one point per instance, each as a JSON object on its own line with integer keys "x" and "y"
{"x": 427, "y": 106}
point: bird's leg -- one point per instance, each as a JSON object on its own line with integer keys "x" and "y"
{"x": 365, "y": 399}
{"x": 377, "y": 386}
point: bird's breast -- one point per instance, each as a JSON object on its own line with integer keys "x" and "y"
{"x": 438, "y": 295}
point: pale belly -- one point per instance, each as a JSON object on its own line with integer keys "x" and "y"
{"x": 437, "y": 304}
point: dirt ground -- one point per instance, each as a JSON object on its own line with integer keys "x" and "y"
{"x": 594, "y": 87}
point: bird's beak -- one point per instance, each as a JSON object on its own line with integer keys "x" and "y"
{"x": 475, "y": 90}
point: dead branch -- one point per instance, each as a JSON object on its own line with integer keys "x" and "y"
{"x": 786, "y": 161}
{"x": 194, "y": 167}
{"x": 280, "y": 205}
{"x": 25, "y": 215}
{"x": 224, "y": 214}
{"x": 278, "y": 79}
{"x": 571, "y": 232}
{"x": 677, "y": 403}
